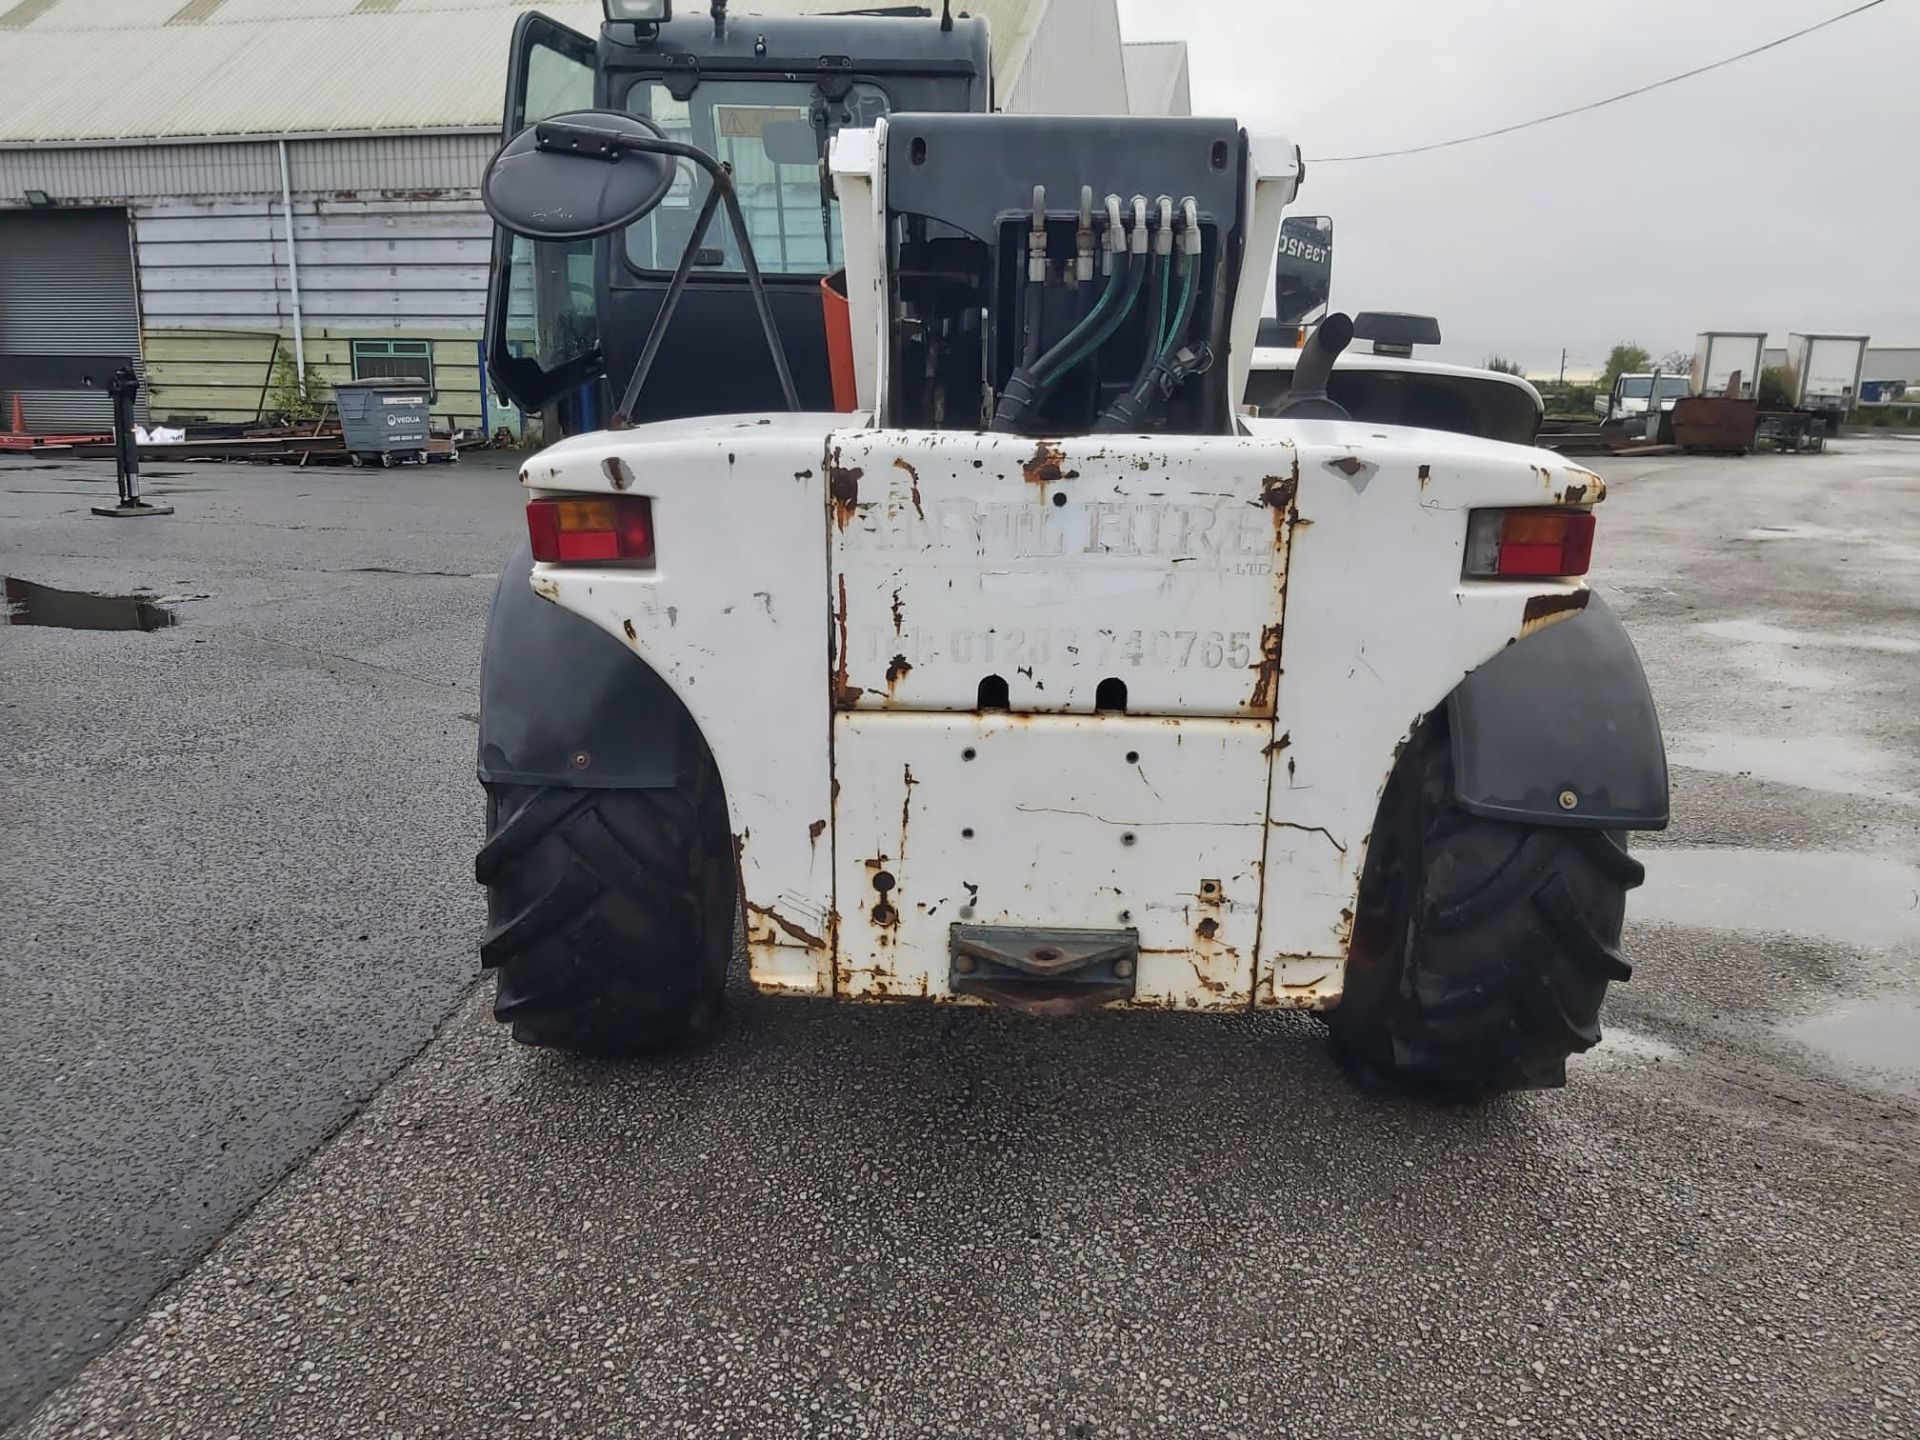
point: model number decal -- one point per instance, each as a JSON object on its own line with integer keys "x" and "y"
{"x": 1298, "y": 249}
{"x": 1104, "y": 650}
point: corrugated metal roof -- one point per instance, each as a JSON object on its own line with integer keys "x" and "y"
{"x": 103, "y": 70}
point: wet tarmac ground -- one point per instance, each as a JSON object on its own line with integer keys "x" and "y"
{"x": 902, "y": 1222}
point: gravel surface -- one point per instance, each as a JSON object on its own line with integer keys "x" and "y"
{"x": 897, "y": 1221}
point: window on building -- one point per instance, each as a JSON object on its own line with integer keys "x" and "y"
{"x": 394, "y": 360}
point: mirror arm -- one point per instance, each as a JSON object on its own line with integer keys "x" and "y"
{"x": 721, "y": 190}
{"x": 657, "y": 332}
{"x": 751, "y": 265}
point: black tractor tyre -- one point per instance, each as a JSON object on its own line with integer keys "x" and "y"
{"x": 611, "y": 914}
{"x": 1482, "y": 949}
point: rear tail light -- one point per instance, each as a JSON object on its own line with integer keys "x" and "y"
{"x": 1529, "y": 544}
{"x": 586, "y": 529}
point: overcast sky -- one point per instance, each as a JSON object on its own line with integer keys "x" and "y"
{"x": 1780, "y": 193}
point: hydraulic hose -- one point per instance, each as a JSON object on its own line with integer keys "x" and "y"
{"x": 1030, "y": 381}
{"x": 1189, "y": 286}
{"x": 1136, "y": 273}
{"x": 1036, "y": 304}
{"x": 1050, "y": 373}
{"x": 1163, "y": 264}
{"x": 1109, "y": 294}
{"x": 1036, "y": 278}
{"x": 1163, "y": 247}
{"x": 1157, "y": 335}
{"x": 1027, "y": 384}
{"x": 1143, "y": 377}
{"x": 1127, "y": 411}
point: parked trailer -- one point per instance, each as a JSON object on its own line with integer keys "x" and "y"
{"x": 1727, "y": 362}
{"x": 1823, "y": 374}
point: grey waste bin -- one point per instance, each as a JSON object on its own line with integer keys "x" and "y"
{"x": 383, "y": 421}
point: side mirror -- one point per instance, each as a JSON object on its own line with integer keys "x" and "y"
{"x": 588, "y": 173}
{"x": 1395, "y": 329}
{"x": 577, "y": 176}
{"x": 1394, "y": 332}
{"x": 1303, "y": 270}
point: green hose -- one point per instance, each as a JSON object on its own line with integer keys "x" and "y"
{"x": 1137, "y": 274}
{"x": 1160, "y": 324}
{"x": 1188, "y": 283}
{"x": 1116, "y": 282}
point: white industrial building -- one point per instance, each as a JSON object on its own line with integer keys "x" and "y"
{"x": 155, "y": 155}
{"x": 1889, "y": 374}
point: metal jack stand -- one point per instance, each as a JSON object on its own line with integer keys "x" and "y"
{"x": 126, "y": 452}
{"x": 112, "y": 373}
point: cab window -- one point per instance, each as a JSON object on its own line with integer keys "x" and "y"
{"x": 772, "y": 136}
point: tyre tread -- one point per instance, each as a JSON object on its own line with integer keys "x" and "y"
{"x": 610, "y": 924}
{"x": 1493, "y": 967}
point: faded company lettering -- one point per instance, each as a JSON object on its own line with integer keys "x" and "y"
{"x": 1224, "y": 533}
{"x": 1101, "y": 650}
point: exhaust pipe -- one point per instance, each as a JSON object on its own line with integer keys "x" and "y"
{"x": 1307, "y": 398}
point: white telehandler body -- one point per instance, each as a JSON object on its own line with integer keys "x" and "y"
{"x": 1056, "y": 702}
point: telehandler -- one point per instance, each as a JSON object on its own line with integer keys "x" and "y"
{"x": 1045, "y": 672}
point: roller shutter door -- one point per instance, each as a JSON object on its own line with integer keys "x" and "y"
{"x": 67, "y": 288}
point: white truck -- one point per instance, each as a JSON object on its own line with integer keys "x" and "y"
{"x": 1728, "y": 362}
{"x": 1047, "y": 676}
{"x": 1633, "y": 394}
{"x": 1823, "y": 374}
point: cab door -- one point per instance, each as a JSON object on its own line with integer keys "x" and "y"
{"x": 543, "y": 325}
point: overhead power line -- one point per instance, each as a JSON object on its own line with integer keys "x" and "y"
{"x": 1598, "y": 104}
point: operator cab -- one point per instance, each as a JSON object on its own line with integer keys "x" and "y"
{"x": 1386, "y": 384}
{"x": 764, "y": 95}
{"x": 1386, "y": 389}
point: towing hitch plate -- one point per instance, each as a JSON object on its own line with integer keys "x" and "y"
{"x": 1043, "y": 971}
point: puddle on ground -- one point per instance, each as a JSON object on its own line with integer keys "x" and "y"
{"x": 1758, "y": 632}
{"x": 1863, "y": 900}
{"x": 1859, "y": 539}
{"x": 1804, "y": 532}
{"x": 1830, "y": 763}
{"x": 29, "y": 603}
{"x": 1876, "y": 1033}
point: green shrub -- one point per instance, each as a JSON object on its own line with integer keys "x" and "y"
{"x": 295, "y": 398}
{"x": 1567, "y": 399}
{"x": 1626, "y": 358}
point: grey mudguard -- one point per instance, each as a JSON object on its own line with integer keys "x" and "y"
{"x": 1564, "y": 714}
{"x": 564, "y": 703}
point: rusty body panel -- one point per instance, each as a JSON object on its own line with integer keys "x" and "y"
{"x": 1151, "y": 685}
{"x": 1380, "y": 627}
{"x": 1049, "y": 820}
{"x": 1052, "y": 568}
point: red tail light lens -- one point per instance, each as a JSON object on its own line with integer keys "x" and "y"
{"x": 583, "y": 530}
{"x": 1529, "y": 544}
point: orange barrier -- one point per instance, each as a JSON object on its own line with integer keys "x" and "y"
{"x": 833, "y": 300}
